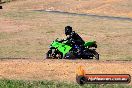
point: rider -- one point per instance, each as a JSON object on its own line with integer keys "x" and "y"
{"x": 74, "y": 38}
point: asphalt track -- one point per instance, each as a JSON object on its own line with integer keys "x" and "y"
{"x": 90, "y": 15}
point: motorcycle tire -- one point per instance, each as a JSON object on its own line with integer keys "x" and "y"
{"x": 48, "y": 54}
{"x": 96, "y": 55}
{"x": 52, "y": 54}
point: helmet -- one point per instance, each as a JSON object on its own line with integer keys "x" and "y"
{"x": 68, "y": 30}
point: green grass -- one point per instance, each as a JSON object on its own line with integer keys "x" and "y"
{"x": 52, "y": 84}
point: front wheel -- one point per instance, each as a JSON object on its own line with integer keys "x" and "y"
{"x": 54, "y": 54}
{"x": 49, "y": 54}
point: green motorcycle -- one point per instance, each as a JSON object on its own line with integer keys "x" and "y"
{"x": 59, "y": 49}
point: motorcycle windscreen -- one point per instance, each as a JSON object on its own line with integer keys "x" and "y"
{"x": 89, "y": 43}
{"x": 61, "y": 47}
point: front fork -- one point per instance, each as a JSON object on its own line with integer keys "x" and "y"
{"x": 55, "y": 54}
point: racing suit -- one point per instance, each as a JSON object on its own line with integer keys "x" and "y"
{"x": 76, "y": 41}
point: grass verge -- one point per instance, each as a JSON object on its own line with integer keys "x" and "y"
{"x": 51, "y": 84}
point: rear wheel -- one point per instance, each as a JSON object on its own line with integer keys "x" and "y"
{"x": 96, "y": 55}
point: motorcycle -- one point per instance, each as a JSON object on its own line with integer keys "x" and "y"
{"x": 65, "y": 49}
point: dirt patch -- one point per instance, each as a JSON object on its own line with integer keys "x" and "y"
{"x": 10, "y": 25}
{"x": 63, "y": 70}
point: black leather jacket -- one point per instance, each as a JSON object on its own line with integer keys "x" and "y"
{"x": 74, "y": 38}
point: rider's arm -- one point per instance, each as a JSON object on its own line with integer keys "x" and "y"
{"x": 70, "y": 36}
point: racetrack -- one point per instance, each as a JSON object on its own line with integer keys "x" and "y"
{"x": 61, "y": 70}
